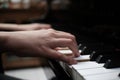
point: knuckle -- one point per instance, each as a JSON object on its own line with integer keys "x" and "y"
{"x": 52, "y": 32}
{"x": 70, "y": 41}
{"x": 49, "y": 26}
{"x": 59, "y": 56}
{"x": 73, "y": 37}
{"x": 36, "y": 24}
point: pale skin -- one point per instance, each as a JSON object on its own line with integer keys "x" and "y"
{"x": 40, "y": 43}
{"x": 23, "y": 27}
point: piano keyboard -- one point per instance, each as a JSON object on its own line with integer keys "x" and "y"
{"x": 94, "y": 67}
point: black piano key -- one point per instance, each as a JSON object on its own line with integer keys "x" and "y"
{"x": 95, "y": 54}
{"x": 112, "y": 63}
{"x": 87, "y": 51}
{"x": 81, "y": 46}
{"x": 103, "y": 58}
{"x": 119, "y": 74}
{"x": 83, "y": 50}
{"x": 104, "y": 49}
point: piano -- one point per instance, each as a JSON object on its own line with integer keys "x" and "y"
{"x": 97, "y": 29}
{"x": 104, "y": 65}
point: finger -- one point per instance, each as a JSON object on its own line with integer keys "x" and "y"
{"x": 60, "y": 34}
{"x": 73, "y": 46}
{"x": 59, "y": 56}
{"x": 45, "y": 26}
{"x": 63, "y": 42}
{"x": 72, "y": 43}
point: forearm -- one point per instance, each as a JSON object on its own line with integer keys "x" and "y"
{"x": 3, "y": 39}
{"x": 9, "y": 27}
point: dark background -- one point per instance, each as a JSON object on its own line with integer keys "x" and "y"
{"x": 90, "y": 21}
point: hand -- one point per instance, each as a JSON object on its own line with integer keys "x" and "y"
{"x": 42, "y": 43}
{"x": 34, "y": 26}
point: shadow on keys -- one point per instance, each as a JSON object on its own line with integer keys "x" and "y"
{"x": 60, "y": 73}
{"x": 6, "y": 77}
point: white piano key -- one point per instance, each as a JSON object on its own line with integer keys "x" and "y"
{"x": 86, "y": 65}
{"x": 104, "y": 76}
{"x": 67, "y": 51}
{"x": 83, "y": 58}
{"x": 76, "y": 76}
{"x": 90, "y": 70}
{"x": 95, "y": 71}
